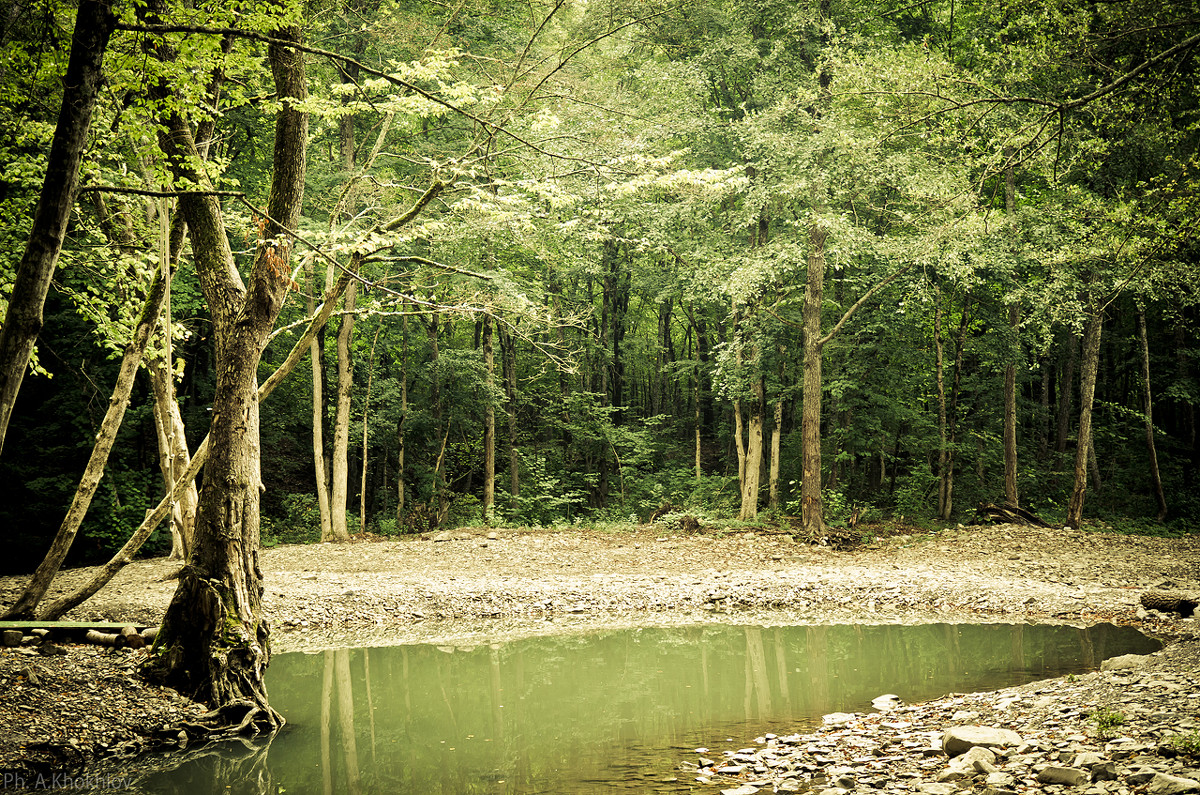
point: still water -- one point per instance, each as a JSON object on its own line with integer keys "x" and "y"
{"x": 608, "y": 711}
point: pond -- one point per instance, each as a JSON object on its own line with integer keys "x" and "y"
{"x": 606, "y": 711}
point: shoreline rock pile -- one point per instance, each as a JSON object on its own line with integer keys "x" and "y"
{"x": 1121, "y": 731}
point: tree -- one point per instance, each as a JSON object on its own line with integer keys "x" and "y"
{"x": 94, "y": 24}
{"x": 214, "y": 642}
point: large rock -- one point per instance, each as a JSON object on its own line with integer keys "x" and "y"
{"x": 1125, "y": 661}
{"x": 958, "y": 739}
{"x": 1163, "y": 784}
{"x": 1071, "y": 776}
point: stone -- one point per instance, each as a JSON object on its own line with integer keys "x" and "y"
{"x": 937, "y": 788}
{"x": 1163, "y": 784}
{"x": 743, "y": 790}
{"x": 887, "y": 702}
{"x": 1087, "y": 759}
{"x": 12, "y": 637}
{"x": 1105, "y": 771}
{"x": 1141, "y": 776}
{"x": 837, "y": 718}
{"x": 977, "y": 758}
{"x": 958, "y": 739}
{"x": 1000, "y": 780}
{"x": 1070, "y": 776}
{"x": 1125, "y": 662}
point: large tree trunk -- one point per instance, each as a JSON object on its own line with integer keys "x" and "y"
{"x": 1087, "y": 391}
{"x": 214, "y": 643}
{"x": 125, "y": 554}
{"x": 340, "y": 480}
{"x": 812, "y": 520}
{"x": 94, "y": 23}
{"x": 130, "y": 362}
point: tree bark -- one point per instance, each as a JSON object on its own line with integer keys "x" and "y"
{"x": 776, "y": 445}
{"x": 94, "y": 24}
{"x": 215, "y": 641}
{"x": 1087, "y": 391}
{"x": 340, "y": 476}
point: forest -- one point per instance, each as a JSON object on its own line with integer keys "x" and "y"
{"x": 569, "y": 262}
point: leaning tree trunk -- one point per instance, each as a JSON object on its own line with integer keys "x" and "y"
{"x": 214, "y": 643}
{"x": 1087, "y": 391}
{"x": 94, "y": 23}
{"x": 65, "y": 537}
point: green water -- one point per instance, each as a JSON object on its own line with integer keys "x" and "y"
{"x": 606, "y": 711}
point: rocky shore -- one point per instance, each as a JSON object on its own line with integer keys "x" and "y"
{"x": 1133, "y": 727}
{"x": 64, "y": 706}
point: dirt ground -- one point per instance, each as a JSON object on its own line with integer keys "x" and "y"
{"x": 422, "y": 588}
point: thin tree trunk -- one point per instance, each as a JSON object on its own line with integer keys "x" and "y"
{"x": 400, "y": 428}
{"x": 776, "y": 444}
{"x": 1011, "y": 494}
{"x": 943, "y": 510}
{"x": 811, "y": 504}
{"x": 366, "y": 416}
{"x": 489, "y": 426}
{"x": 339, "y": 484}
{"x": 508, "y": 354}
{"x": 316, "y": 355}
{"x": 94, "y": 24}
{"x": 1087, "y": 391}
{"x": 36, "y": 589}
{"x": 1066, "y": 388}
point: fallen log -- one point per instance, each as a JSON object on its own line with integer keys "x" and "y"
{"x": 1182, "y": 602}
{"x": 1007, "y": 513}
{"x": 104, "y": 638}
